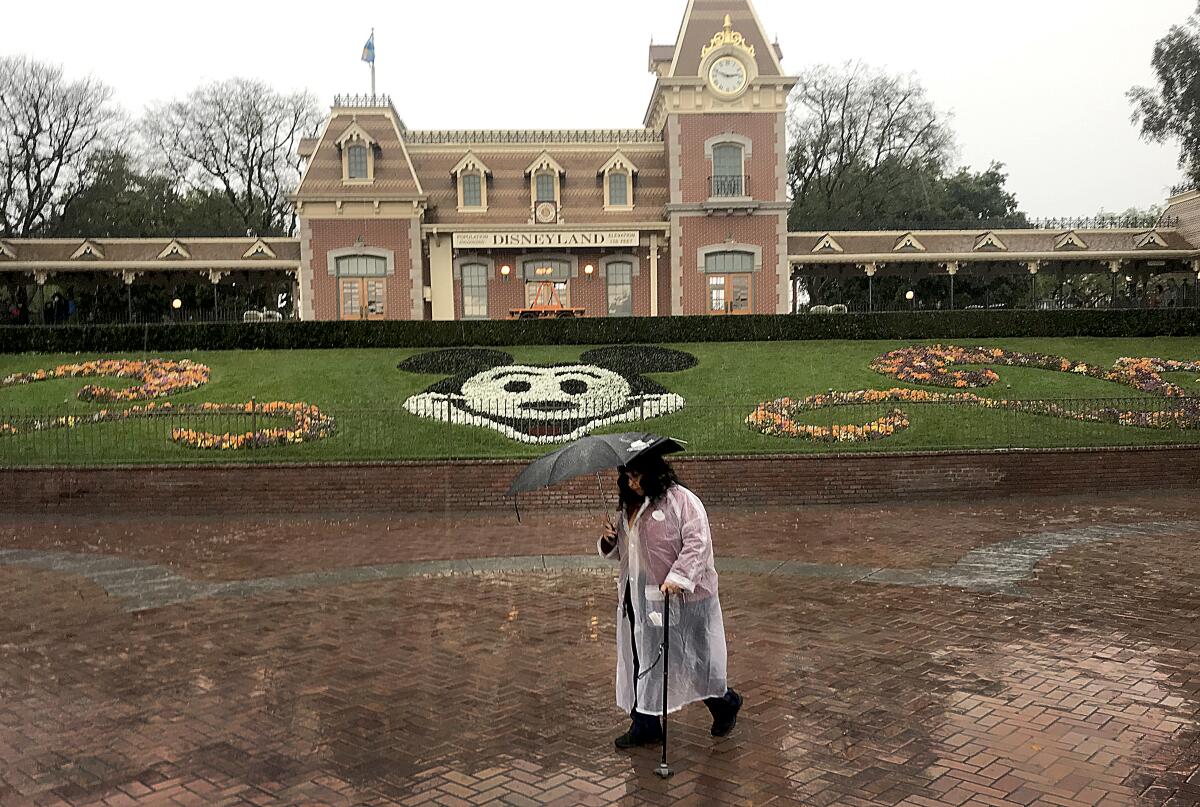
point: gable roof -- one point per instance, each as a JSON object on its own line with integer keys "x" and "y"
{"x": 470, "y": 163}
{"x": 88, "y": 249}
{"x": 618, "y": 162}
{"x": 545, "y": 162}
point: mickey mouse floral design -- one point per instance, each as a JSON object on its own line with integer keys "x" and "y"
{"x": 546, "y": 403}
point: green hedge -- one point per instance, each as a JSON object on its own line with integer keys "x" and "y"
{"x": 599, "y": 331}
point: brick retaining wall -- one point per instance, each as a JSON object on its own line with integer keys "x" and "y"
{"x": 480, "y": 485}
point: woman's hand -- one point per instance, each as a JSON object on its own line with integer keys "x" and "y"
{"x": 670, "y": 588}
{"x": 609, "y": 537}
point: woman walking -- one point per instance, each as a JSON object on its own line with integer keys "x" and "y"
{"x": 663, "y": 542}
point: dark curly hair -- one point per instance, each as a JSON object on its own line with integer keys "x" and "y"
{"x": 657, "y": 477}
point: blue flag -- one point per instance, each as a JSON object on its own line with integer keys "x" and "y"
{"x": 369, "y": 50}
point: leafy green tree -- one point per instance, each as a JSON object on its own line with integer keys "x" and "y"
{"x": 120, "y": 201}
{"x": 1170, "y": 111}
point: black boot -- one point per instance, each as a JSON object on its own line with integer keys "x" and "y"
{"x": 724, "y": 711}
{"x": 645, "y": 730}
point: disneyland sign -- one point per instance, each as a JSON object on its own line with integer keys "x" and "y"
{"x": 537, "y": 239}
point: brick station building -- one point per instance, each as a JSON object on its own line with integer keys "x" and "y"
{"x": 685, "y": 215}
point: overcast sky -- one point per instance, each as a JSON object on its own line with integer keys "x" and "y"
{"x": 1037, "y": 84}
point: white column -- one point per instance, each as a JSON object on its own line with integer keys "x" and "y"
{"x": 654, "y": 274}
{"x": 441, "y": 276}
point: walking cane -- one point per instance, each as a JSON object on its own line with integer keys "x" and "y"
{"x": 663, "y": 770}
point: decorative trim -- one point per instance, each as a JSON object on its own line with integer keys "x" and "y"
{"x": 259, "y": 249}
{"x": 618, "y": 162}
{"x": 704, "y": 252}
{"x": 544, "y": 162}
{"x": 627, "y": 257}
{"x": 1070, "y": 241}
{"x": 990, "y": 242}
{"x": 1150, "y": 240}
{"x": 91, "y": 250}
{"x": 354, "y": 131}
{"x": 727, "y": 37}
{"x": 175, "y": 249}
{"x": 349, "y": 252}
{"x": 486, "y": 260}
{"x": 470, "y": 163}
{"x": 729, "y": 137}
{"x": 908, "y": 243}
{"x": 828, "y": 244}
{"x": 532, "y": 136}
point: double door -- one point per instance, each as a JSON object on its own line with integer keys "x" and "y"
{"x": 362, "y": 298}
{"x": 730, "y": 294}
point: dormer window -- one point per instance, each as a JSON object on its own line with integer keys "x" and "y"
{"x": 472, "y": 176}
{"x": 358, "y": 154}
{"x": 618, "y": 175}
{"x": 545, "y": 184}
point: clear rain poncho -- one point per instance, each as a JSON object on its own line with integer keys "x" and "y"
{"x": 669, "y": 540}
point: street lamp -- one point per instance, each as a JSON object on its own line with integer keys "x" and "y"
{"x": 177, "y": 304}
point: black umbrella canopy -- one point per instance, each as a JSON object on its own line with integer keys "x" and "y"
{"x": 597, "y": 452}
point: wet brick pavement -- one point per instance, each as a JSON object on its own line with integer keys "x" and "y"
{"x": 989, "y": 653}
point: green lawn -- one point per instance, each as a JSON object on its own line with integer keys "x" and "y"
{"x": 364, "y": 391}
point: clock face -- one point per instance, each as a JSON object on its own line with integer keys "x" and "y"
{"x": 727, "y": 75}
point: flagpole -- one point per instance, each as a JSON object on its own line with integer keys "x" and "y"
{"x": 372, "y": 65}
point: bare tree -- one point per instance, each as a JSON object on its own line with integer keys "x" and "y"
{"x": 859, "y": 137}
{"x": 239, "y": 138}
{"x": 50, "y": 128}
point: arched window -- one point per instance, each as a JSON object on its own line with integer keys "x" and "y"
{"x": 356, "y": 162}
{"x": 474, "y": 291}
{"x": 361, "y": 266}
{"x": 728, "y": 177}
{"x": 727, "y": 262}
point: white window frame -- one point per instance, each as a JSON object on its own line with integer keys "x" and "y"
{"x": 471, "y": 165}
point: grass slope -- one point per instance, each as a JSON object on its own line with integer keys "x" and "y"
{"x": 365, "y": 391}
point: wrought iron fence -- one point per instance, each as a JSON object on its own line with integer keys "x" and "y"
{"x": 434, "y": 427}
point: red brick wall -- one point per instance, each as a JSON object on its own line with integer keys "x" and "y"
{"x": 720, "y": 482}
{"x": 704, "y": 231}
{"x": 393, "y": 234}
{"x": 762, "y": 167}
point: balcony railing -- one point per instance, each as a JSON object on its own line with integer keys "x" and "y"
{"x": 729, "y": 186}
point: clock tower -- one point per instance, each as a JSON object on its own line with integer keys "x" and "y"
{"x": 720, "y": 102}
